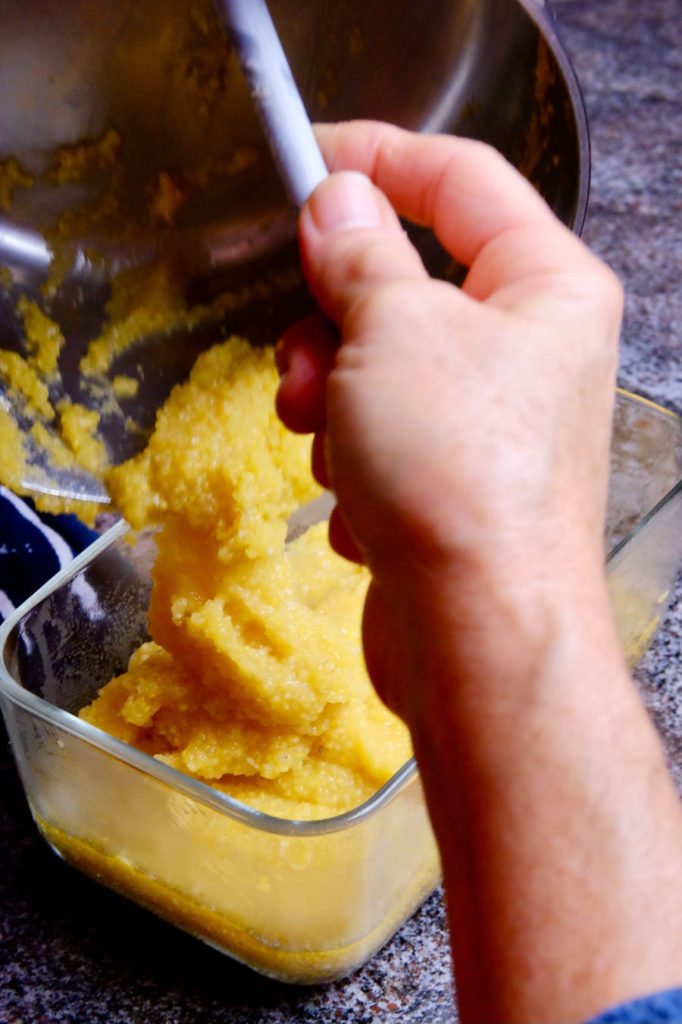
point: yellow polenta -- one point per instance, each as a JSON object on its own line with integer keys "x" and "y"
{"x": 254, "y": 680}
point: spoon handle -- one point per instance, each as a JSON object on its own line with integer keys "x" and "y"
{"x": 275, "y": 95}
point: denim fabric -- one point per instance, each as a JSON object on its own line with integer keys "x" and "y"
{"x": 662, "y": 1006}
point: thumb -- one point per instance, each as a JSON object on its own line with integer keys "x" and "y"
{"x": 351, "y": 241}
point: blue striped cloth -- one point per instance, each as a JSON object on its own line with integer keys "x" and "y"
{"x": 33, "y": 547}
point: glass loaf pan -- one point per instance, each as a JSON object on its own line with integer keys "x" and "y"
{"x": 304, "y": 902}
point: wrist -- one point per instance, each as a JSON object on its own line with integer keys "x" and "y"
{"x": 493, "y": 639}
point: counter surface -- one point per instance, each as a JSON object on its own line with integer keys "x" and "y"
{"x": 72, "y": 951}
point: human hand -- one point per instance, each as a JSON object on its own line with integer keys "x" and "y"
{"x": 464, "y": 432}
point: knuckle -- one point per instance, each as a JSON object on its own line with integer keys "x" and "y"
{"x": 373, "y": 261}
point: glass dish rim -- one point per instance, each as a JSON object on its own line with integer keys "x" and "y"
{"x": 624, "y": 542}
{"x": 13, "y": 692}
{"x": 16, "y": 694}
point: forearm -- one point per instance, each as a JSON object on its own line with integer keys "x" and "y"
{"x": 450, "y": 422}
{"x": 557, "y": 821}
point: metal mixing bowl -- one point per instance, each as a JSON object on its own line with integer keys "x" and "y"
{"x": 161, "y": 73}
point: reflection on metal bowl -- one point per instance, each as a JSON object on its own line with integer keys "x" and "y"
{"x": 136, "y": 131}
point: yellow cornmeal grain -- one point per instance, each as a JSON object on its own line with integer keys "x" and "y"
{"x": 43, "y": 336}
{"x": 13, "y": 453}
{"x": 16, "y": 466}
{"x": 125, "y": 387}
{"x": 77, "y": 429}
{"x": 151, "y": 300}
{"x": 52, "y": 452}
{"x": 22, "y": 379}
{"x": 220, "y": 462}
{"x": 167, "y": 196}
{"x": 65, "y": 437}
{"x": 144, "y": 301}
{"x": 12, "y": 176}
{"x": 255, "y": 680}
{"x": 276, "y": 707}
{"x": 73, "y": 162}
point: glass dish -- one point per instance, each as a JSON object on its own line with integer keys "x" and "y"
{"x": 304, "y": 902}
{"x": 301, "y": 901}
{"x": 643, "y": 534}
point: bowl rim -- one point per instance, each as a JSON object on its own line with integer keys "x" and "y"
{"x": 14, "y": 693}
{"x": 540, "y": 13}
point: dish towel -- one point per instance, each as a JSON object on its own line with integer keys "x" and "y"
{"x": 33, "y": 547}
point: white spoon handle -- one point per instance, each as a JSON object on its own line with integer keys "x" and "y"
{"x": 277, "y": 99}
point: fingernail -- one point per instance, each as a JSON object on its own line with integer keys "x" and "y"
{"x": 345, "y": 200}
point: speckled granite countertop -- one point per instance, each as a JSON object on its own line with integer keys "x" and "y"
{"x": 73, "y": 952}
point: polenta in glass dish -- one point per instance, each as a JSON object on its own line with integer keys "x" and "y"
{"x": 305, "y": 901}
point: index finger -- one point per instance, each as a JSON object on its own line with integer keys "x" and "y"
{"x": 463, "y": 189}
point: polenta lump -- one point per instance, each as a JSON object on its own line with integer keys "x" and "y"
{"x": 12, "y": 176}
{"x": 254, "y": 679}
{"x": 37, "y": 433}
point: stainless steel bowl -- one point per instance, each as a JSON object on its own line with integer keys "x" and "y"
{"x": 161, "y": 73}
